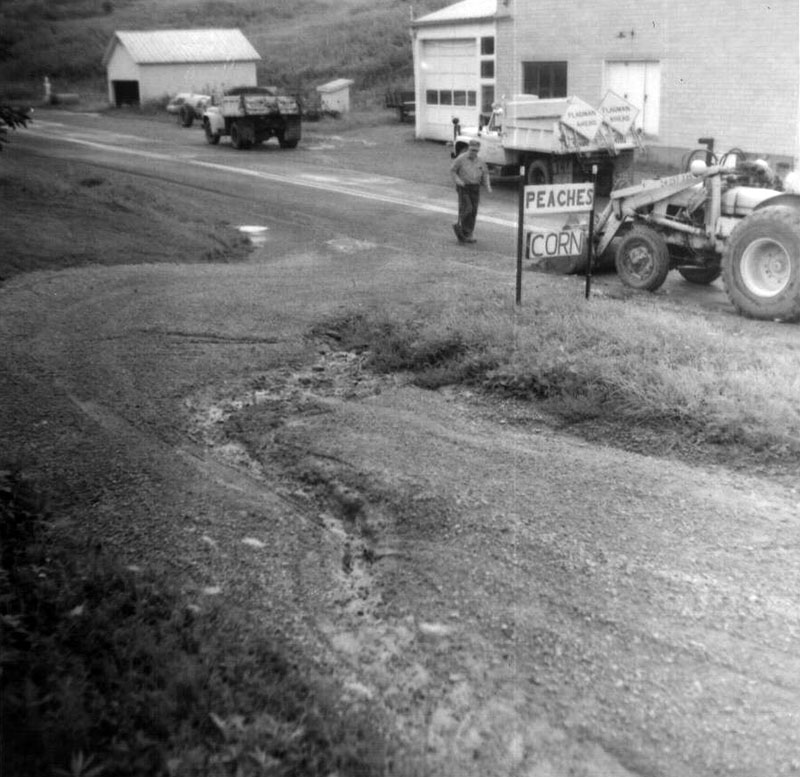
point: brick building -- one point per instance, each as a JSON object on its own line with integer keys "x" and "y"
{"x": 717, "y": 69}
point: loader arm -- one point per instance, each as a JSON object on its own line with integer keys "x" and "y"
{"x": 625, "y": 203}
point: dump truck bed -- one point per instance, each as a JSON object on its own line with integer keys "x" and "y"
{"x": 559, "y": 125}
{"x": 258, "y": 102}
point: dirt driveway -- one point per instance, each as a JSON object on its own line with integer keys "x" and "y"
{"x": 516, "y": 600}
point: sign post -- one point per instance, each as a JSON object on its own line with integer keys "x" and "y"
{"x": 520, "y": 232}
{"x": 590, "y": 252}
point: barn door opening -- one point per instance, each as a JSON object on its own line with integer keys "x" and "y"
{"x": 125, "y": 92}
{"x": 639, "y": 82}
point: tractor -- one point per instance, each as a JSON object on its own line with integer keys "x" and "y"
{"x": 728, "y": 219}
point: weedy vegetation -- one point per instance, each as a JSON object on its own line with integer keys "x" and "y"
{"x": 620, "y": 365}
{"x": 106, "y": 671}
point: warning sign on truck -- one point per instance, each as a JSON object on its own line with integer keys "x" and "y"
{"x": 618, "y": 112}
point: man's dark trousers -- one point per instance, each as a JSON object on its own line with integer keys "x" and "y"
{"x": 468, "y": 198}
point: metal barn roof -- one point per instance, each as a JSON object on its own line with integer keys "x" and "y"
{"x": 177, "y": 46}
{"x": 335, "y": 85}
{"x": 465, "y": 11}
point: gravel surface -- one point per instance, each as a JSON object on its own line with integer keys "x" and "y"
{"x": 517, "y": 600}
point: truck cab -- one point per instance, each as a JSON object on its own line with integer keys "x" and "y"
{"x": 493, "y": 153}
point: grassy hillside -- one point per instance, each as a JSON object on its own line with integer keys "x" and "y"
{"x": 302, "y": 42}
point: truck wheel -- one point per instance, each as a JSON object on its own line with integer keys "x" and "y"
{"x": 237, "y": 141}
{"x": 642, "y": 259}
{"x": 538, "y": 173}
{"x": 211, "y": 137}
{"x": 702, "y": 276}
{"x": 287, "y": 143}
{"x": 761, "y": 265}
{"x": 186, "y": 116}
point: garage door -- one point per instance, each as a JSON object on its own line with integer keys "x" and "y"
{"x": 450, "y": 76}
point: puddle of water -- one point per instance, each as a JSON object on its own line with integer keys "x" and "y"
{"x": 348, "y": 245}
{"x": 256, "y": 234}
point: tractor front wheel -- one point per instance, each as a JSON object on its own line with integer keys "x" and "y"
{"x": 761, "y": 265}
{"x": 642, "y": 259}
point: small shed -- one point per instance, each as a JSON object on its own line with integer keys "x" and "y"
{"x": 335, "y": 95}
{"x": 148, "y": 65}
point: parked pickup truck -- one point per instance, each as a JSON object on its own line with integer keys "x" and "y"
{"x": 558, "y": 140}
{"x": 252, "y": 114}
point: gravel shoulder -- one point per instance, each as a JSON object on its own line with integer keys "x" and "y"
{"x": 518, "y": 601}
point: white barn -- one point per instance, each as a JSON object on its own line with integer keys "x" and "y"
{"x": 454, "y": 66}
{"x": 148, "y": 65}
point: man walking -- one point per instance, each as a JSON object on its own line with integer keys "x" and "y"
{"x": 468, "y": 173}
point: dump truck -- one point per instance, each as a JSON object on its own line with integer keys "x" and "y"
{"x": 252, "y": 114}
{"x": 558, "y": 140}
{"x": 718, "y": 220}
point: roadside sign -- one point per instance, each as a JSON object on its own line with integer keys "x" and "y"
{"x": 618, "y": 112}
{"x": 555, "y": 224}
{"x": 568, "y": 241}
{"x": 559, "y": 198}
{"x": 556, "y": 221}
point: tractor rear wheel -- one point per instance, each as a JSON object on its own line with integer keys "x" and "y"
{"x": 702, "y": 276}
{"x": 642, "y": 259}
{"x": 761, "y": 265}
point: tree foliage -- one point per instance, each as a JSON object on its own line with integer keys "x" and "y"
{"x": 12, "y": 117}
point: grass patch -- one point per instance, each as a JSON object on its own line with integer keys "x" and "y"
{"x": 106, "y": 672}
{"x": 607, "y": 361}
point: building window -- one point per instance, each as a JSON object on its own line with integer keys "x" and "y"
{"x": 487, "y": 68}
{"x": 487, "y": 46}
{"x": 432, "y": 97}
{"x": 545, "y": 79}
{"x": 459, "y": 97}
{"x": 471, "y": 97}
{"x": 445, "y": 97}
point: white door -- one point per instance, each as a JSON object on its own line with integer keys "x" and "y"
{"x": 639, "y": 83}
{"x": 450, "y": 77}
